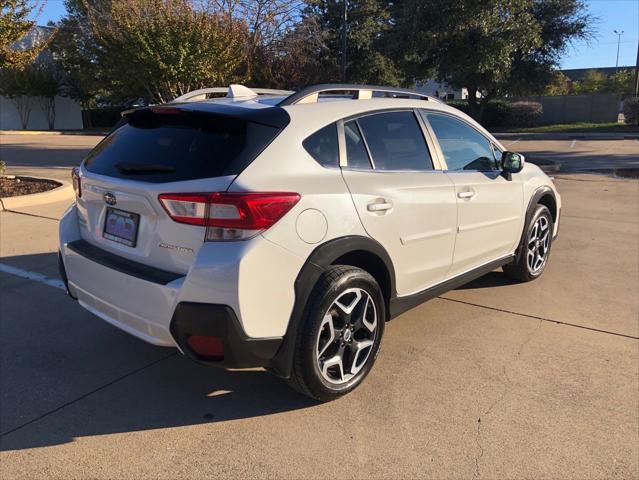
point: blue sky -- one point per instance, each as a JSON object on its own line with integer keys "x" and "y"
{"x": 601, "y": 52}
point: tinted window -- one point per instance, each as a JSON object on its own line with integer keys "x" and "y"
{"x": 355, "y": 149}
{"x": 395, "y": 141}
{"x": 323, "y": 146}
{"x": 463, "y": 147}
{"x": 168, "y": 148}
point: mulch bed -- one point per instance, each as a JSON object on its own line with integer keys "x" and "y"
{"x": 12, "y": 187}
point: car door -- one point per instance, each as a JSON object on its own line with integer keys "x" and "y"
{"x": 404, "y": 200}
{"x": 489, "y": 205}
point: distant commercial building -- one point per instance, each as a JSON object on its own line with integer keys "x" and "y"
{"x": 578, "y": 74}
{"x": 442, "y": 90}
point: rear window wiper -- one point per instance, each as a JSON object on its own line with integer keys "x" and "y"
{"x": 134, "y": 168}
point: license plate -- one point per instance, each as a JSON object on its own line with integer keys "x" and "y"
{"x": 121, "y": 226}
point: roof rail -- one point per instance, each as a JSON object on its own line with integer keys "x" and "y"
{"x": 359, "y": 92}
{"x": 232, "y": 91}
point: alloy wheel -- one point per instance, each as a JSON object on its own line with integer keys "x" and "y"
{"x": 538, "y": 245}
{"x": 346, "y": 336}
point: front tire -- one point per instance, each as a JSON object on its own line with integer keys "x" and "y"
{"x": 340, "y": 334}
{"x": 534, "y": 248}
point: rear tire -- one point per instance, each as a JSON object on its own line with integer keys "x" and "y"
{"x": 534, "y": 248}
{"x": 340, "y": 334}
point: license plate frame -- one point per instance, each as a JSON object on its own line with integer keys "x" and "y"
{"x": 121, "y": 233}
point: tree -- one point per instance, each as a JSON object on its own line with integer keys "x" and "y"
{"x": 14, "y": 26}
{"x": 368, "y": 20}
{"x": 594, "y": 81}
{"x": 267, "y": 21}
{"x": 493, "y": 47}
{"x": 45, "y": 85}
{"x": 161, "y": 49}
{"x": 621, "y": 82}
{"x": 560, "y": 85}
{"x": 73, "y": 52}
{"x": 16, "y": 84}
{"x": 294, "y": 60}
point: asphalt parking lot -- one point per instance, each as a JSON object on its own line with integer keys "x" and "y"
{"x": 493, "y": 380}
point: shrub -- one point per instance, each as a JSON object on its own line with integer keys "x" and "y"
{"x": 523, "y": 114}
{"x": 459, "y": 105}
{"x": 495, "y": 114}
{"x": 101, "y": 117}
{"x": 631, "y": 111}
{"x": 502, "y": 113}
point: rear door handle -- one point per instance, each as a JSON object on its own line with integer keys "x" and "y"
{"x": 467, "y": 194}
{"x": 379, "y": 207}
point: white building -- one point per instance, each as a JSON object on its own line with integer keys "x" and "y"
{"x": 68, "y": 112}
{"x": 442, "y": 90}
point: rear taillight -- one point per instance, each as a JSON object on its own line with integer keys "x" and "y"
{"x": 229, "y": 216}
{"x": 77, "y": 184}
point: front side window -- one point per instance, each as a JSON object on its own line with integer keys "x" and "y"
{"x": 464, "y": 148}
{"x": 395, "y": 141}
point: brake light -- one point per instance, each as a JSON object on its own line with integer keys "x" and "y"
{"x": 77, "y": 184}
{"x": 229, "y": 216}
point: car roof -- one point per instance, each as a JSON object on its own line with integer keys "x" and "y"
{"x": 279, "y": 108}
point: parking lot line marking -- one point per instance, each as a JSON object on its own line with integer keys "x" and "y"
{"x": 573, "y": 143}
{"x": 32, "y": 215}
{"x": 36, "y": 277}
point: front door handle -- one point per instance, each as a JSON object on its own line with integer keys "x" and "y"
{"x": 382, "y": 206}
{"x": 466, "y": 195}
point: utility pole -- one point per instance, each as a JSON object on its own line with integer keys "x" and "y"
{"x": 619, "y": 34}
{"x": 637, "y": 73}
{"x": 344, "y": 23}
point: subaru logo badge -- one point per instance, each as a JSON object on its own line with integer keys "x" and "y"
{"x": 110, "y": 199}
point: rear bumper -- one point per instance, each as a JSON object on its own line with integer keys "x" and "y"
{"x": 220, "y": 321}
{"x": 235, "y": 292}
{"x": 139, "y": 307}
{"x": 189, "y": 318}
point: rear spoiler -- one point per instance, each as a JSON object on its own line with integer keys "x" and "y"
{"x": 271, "y": 116}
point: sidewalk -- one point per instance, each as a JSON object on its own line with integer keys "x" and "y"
{"x": 56, "y": 132}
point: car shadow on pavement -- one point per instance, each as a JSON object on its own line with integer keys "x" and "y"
{"x": 67, "y": 374}
{"x": 490, "y": 280}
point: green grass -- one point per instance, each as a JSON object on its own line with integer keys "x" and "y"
{"x": 583, "y": 127}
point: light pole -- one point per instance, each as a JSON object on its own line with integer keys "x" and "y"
{"x": 344, "y": 23}
{"x": 619, "y": 34}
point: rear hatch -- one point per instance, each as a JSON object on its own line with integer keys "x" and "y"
{"x": 158, "y": 151}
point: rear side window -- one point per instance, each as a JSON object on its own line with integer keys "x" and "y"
{"x": 168, "y": 148}
{"x": 395, "y": 141}
{"x": 323, "y": 146}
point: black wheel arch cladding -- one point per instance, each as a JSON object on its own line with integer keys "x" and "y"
{"x": 352, "y": 249}
{"x": 543, "y": 196}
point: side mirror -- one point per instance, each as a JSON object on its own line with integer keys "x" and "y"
{"x": 512, "y": 162}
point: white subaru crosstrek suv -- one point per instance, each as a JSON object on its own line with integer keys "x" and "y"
{"x": 282, "y": 230}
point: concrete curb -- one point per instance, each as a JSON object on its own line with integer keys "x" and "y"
{"x": 58, "y": 194}
{"x": 55, "y": 132}
{"x": 567, "y": 136}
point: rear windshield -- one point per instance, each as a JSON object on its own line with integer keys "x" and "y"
{"x": 174, "y": 147}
